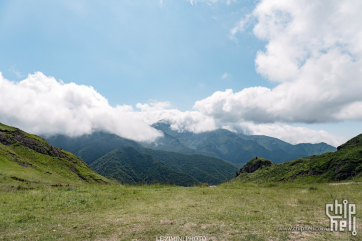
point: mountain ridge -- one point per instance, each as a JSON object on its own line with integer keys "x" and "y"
{"x": 239, "y": 148}
{"x": 127, "y": 165}
{"x": 204, "y": 169}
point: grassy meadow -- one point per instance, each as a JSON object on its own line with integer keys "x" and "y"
{"x": 231, "y": 211}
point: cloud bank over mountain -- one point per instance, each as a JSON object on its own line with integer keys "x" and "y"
{"x": 313, "y": 55}
{"x": 42, "y": 105}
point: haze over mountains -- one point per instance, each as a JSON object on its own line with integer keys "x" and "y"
{"x": 181, "y": 158}
{"x": 28, "y": 157}
{"x": 130, "y": 162}
{"x": 236, "y": 148}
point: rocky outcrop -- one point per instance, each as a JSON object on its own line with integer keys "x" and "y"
{"x": 254, "y": 164}
{"x": 18, "y": 136}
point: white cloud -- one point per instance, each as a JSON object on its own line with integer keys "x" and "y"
{"x": 224, "y": 76}
{"x": 313, "y": 53}
{"x": 41, "y": 105}
{"x": 193, "y": 121}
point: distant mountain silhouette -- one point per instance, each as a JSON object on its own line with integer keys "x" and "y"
{"x": 234, "y": 147}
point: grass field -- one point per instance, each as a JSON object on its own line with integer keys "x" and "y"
{"x": 231, "y": 211}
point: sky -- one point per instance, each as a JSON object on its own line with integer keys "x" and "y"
{"x": 283, "y": 68}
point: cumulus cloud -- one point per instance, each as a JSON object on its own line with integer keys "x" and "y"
{"x": 313, "y": 53}
{"x": 193, "y": 121}
{"x": 42, "y": 105}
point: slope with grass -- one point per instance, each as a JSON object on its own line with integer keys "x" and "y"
{"x": 344, "y": 164}
{"x": 127, "y": 165}
{"x": 28, "y": 158}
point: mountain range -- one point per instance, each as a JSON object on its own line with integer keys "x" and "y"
{"x": 235, "y": 148}
{"x": 181, "y": 158}
{"x": 127, "y": 165}
{"x": 103, "y": 151}
{"x": 195, "y": 158}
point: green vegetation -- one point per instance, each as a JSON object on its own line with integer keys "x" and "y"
{"x": 130, "y": 166}
{"x": 231, "y": 211}
{"x": 255, "y": 164}
{"x": 30, "y": 159}
{"x": 6, "y": 128}
{"x": 205, "y": 169}
{"x": 91, "y": 147}
{"x": 344, "y": 164}
{"x": 98, "y": 151}
{"x": 46, "y": 193}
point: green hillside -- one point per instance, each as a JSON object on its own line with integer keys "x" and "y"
{"x": 91, "y": 147}
{"x": 127, "y": 165}
{"x": 98, "y": 145}
{"x": 344, "y": 164}
{"x": 204, "y": 169}
{"x": 27, "y": 158}
{"x": 172, "y": 144}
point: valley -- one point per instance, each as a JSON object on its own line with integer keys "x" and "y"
{"x": 126, "y": 191}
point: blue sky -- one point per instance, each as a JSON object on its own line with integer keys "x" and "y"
{"x": 183, "y": 53}
{"x": 131, "y": 51}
